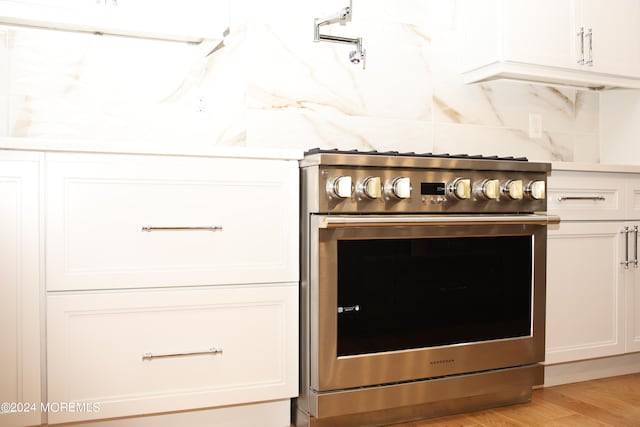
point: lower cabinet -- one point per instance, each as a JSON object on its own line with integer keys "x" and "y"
{"x": 585, "y": 291}
{"x": 168, "y": 300}
{"x": 593, "y": 300}
{"x": 127, "y": 353}
{"x": 632, "y": 275}
{"x": 19, "y": 289}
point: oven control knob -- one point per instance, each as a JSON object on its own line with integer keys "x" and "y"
{"x": 371, "y": 187}
{"x": 513, "y": 189}
{"x": 340, "y": 187}
{"x": 536, "y": 190}
{"x": 400, "y": 188}
{"x": 489, "y": 189}
{"x": 459, "y": 188}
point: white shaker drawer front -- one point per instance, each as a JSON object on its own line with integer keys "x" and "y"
{"x": 633, "y": 192}
{"x": 126, "y": 221}
{"x": 118, "y": 354}
{"x": 584, "y": 196}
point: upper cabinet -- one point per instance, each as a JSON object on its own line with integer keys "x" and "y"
{"x": 589, "y": 43}
{"x": 185, "y": 20}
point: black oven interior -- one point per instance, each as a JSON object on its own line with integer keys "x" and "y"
{"x": 398, "y": 294}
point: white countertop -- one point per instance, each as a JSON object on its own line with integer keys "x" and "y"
{"x": 594, "y": 167}
{"x": 132, "y": 147}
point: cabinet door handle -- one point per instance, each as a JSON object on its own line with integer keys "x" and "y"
{"x": 150, "y": 356}
{"x": 635, "y": 246}
{"x": 209, "y": 228}
{"x": 581, "y": 40}
{"x": 594, "y": 198}
{"x": 589, "y": 35}
{"x": 625, "y": 231}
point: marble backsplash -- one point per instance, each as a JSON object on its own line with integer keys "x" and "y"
{"x": 269, "y": 85}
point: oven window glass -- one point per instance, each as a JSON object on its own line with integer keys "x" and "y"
{"x": 414, "y": 293}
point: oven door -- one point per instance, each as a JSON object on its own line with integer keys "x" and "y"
{"x": 395, "y": 299}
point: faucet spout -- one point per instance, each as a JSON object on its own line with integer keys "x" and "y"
{"x": 342, "y": 16}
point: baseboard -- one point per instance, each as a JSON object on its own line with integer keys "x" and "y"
{"x": 585, "y": 370}
{"x": 267, "y": 414}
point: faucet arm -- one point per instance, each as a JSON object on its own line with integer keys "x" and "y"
{"x": 342, "y": 16}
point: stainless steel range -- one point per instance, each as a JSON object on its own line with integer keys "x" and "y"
{"x": 423, "y": 285}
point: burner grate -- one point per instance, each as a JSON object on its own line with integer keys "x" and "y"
{"x": 413, "y": 154}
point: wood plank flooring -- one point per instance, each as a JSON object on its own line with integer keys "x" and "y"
{"x": 611, "y": 402}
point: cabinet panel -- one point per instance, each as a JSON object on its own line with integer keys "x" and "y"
{"x": 632, "y": 274}
{"x": 19, "y": 286}
{"x": 585, "y": 291}
{"x": 585, "y": 196}
{"x": 199, "y": 19}
{"x": 613, "y": 26}
{"x": 588, "y": 43}
{"x": 633, "y": 196}
{"x": 244, "y": 213}
{"x": 111, "y": 348}
{"x": 555, "y": 46}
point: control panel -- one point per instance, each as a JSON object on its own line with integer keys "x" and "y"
{"x": 378, "y": 190}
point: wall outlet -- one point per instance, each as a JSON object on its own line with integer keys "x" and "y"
{"x": 201, "y": 103}
{"x": 535, "y": 125}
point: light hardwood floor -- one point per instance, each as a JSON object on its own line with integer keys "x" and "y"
{"x": 611, "y": 402}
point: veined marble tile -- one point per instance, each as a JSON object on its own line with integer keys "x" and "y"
{"x": 303, "y": 130}
{"x": 271, "y": 85}
{"x": 587, "y": 109}
{"x": 291, "y": 71}
{"x": 586, "y": 148}
{"x": 4, "y": 82}
{"x": 499, "y": 103}
{"x": 470, "y": 139}
{"x": 414, "y": 12}
{"x": 108, "y": 87}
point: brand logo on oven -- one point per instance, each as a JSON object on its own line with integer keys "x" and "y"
{"x": 442, "y": 361}
{"x": 348, "y": 309}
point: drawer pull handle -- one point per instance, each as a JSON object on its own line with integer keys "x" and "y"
{"x": 210, "y": 228}
{"x": 594, "y": 198}
{"x": 149, "y": 355}
{"x": 626, "y": 261}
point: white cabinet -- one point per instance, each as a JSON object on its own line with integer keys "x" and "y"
{"x": 579, "y": 42}
{"x": 19, "y": 288}
{"x": 633, "y": 307}
{"x": 138, "y": 221}
{"x": 186, "y": 20}
{"x": 610, "y": 43}
{"x": 585, "y": 291}
{"x": 142, "y": 352}
{"x": 593, "y": 306}
{"x": 172, "y": 286}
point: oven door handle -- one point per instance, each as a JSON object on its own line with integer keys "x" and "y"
{"x": 337, "y": 221}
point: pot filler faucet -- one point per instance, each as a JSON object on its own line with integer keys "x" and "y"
{"x": 342, "y": 16}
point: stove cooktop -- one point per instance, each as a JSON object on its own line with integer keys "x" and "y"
{"x": 413, "y": 154}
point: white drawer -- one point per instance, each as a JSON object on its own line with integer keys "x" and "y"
{"x": 97, "y": 206}
{"x": 633, "y": 192}
{"x": 586, "y": 196}
{"x": 96, "y": 342}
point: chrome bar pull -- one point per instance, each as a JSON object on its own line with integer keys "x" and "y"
{"x": 589, "y": 35}
{"x": 151, "y": 356}
{"x": 635, "y": 247}
{"x": 581, "y": 40}
{"x": 207, "y": 228}
{"x": 594, "y": 198}
{"x": 626, "y": 248}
